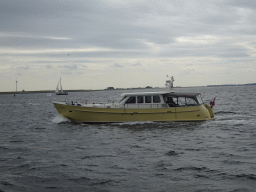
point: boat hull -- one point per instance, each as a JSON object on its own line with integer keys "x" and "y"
{"x": 110, "y": 115}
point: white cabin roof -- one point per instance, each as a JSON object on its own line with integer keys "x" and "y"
{"x": 161, "y": 93}
{"x": 144, "y": 93}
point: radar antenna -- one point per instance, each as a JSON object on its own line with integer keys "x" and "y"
{"x": 169, "y": 84}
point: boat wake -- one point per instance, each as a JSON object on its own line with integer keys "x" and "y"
{"x": 59, "y": 119}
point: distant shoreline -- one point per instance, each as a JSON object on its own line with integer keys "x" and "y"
{"x": 247, "y": 84}
{"x": 43, "y": 91}
{"x": 89, "y": 90}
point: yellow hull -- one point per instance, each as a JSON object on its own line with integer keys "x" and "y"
{"x": 107, "y": 115}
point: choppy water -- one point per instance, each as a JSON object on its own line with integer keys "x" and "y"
{"x": 40, "y": 151}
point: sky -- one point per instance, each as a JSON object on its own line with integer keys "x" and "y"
{"x": 95, "y": 44}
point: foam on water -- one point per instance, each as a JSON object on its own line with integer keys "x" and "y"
{"x": 59, "y": 119}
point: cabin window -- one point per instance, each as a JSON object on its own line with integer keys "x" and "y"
{"x": 182, "y": 101}
{"x": 131, "y": 100}
{"x": 171, "y": 101}
{"x": 199, "y": 99}
{"x": 140, "y": 99}
{"x": 187, "y": 101}
{"x": 175, "y": 100}
{"x": 156, "y": 99}
{"x": 191, "y": 101}
{"x": 147, "y": 99}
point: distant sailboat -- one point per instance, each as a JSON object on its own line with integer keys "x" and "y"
{"x": 60, "y": 92}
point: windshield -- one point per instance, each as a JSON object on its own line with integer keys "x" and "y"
{"x": 191, "y": 101}
{"x": 122, "y": 99}
{"x": 199, "y": 99}
{"x": 182, "y": 101}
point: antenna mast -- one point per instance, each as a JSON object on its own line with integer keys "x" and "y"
{"x": 169, "y": 84}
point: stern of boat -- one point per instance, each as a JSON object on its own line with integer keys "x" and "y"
{"x": 209, "y": 110}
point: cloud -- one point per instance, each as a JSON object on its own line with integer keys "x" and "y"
{"x": 188, "y": 70}
{"x": 48, "y": 66}
{"x": 18, "y": 67}
{"x": 69, "y": 67}
{"x": 137, "y": 64}
{"x": 116, "y": 65}
{"x": 198, "y": 40}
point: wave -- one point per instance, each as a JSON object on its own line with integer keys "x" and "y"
{"x": 233, "y": 114}
{"x": 15, "y": 104}
{"x": 211, "y": 173}
{"x": 34, "y": 103}
{"x": 224, "y": 112}
{"x": 12, "y": 121}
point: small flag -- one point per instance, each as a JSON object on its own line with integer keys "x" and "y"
{"x": 212, "y": 103}
{"x": 49, "y": 94}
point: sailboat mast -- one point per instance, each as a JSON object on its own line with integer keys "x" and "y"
{"x": 60, "y": 85}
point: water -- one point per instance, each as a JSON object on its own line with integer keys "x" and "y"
{"x": 41, "y": 151}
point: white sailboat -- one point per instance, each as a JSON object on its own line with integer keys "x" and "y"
{"x": 60, "y": 91}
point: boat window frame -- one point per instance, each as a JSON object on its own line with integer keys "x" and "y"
{"x": 155, "y": 96}
{"x": 182, "y": 102}
{"x": 123, "y": 99}
{"x": 142, "y": 96}
{"x": 177, "y": 100}
{"x": 171, "y": 102}
{"x": 128, "y": 102}
{"x": 199, "y": 99}
{"x": 192, "y": 99}
{"x": 148, "y": 96}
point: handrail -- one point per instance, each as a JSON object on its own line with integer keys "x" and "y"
{"x": 151, "y": 105}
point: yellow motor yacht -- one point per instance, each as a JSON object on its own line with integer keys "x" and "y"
{"x": 142, "y": 106}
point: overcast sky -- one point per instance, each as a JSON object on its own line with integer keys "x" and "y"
{"x": 94, "y": 44}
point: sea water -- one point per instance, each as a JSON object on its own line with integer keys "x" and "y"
{"x": 41, "y": 151}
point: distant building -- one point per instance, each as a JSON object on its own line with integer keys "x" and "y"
{"x": 110, "y": 88}
{"x": 148, "y": 87}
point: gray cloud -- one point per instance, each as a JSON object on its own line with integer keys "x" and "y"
{"x": 75, "y": 36}
{"x": 69, "y": 67}
{"x": 114, "y": 24}
{"x": 137, "y": 64}
{"x": 116, "y": 65}
{"x": 49, "y": 66}
{"x": 20, "y": 67}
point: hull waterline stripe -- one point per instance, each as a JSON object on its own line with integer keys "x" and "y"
{"x": 136, "y": 112}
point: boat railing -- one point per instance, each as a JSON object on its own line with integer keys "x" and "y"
{"x": 128, "y": 106}
{"x": 146, "y": 106}
{"x": 117, "y": 105}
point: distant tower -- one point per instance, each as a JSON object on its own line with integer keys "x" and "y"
{"x": 16, "y": 85}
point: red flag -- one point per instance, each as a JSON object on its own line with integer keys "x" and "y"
{"x": 212, "y": 103}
